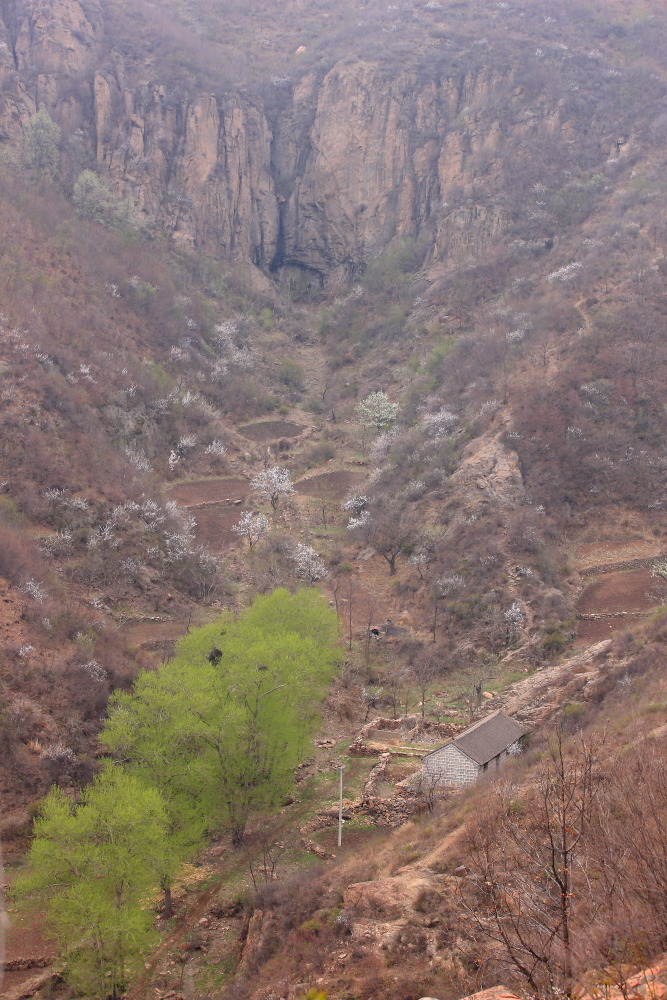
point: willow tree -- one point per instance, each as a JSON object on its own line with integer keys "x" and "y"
{"x": 93, "y": 867}
{"x": 221, "y": 728}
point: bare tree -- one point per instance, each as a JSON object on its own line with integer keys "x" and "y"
{"x": 370, "y": 609}
{"x": 389, "y": 528}
{"x": 266, "y": 847}
{"x": 427, "y": 789}
{"x": 351, "y": 594}
{"x": 327, "y": 512}
{"x": 443, "y": 587}
{"x": 637, "y": 850}
{"x": 532, "y": 860}
{"x": 476, "y": 670}
{"x": 425, "y": 668}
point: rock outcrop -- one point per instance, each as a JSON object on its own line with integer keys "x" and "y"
{"x": 540, "y": 697}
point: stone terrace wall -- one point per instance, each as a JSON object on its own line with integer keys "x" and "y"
{"x": 618, "y": 567}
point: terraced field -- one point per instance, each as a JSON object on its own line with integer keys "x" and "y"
{"x": 329, "y": 485}
{"x": 270, "y": 430}
{"x": 617, "y": 600}
{"x": 193, "y": 493}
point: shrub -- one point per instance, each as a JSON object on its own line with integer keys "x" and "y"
{"x": 554, "y": 642}
{"x": 290, "y": 374}
{"x": 18, "y": 560}
{"x": 94, "y": 200}
{"x": 319, "y": 453}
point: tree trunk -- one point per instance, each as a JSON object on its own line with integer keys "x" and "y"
{"x": 168, "y": 902}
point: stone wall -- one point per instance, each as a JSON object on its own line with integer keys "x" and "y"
{"x": 448, "y": 766}
{"x": 646, "y": 563}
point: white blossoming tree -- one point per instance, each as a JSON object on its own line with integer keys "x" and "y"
{"x": 309, "y": 566}
{"x": 377, "y": 411}
{"x": 251, "y": 527}
{"x": 272, "y": 484}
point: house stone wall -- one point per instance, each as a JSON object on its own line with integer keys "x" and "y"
{"x": 513, "y": 750}
{"x": 448, "y": 766}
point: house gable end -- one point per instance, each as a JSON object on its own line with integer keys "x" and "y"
{"x": 448, "y": 765}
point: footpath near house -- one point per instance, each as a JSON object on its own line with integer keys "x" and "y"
{"x": 479, "y": 748}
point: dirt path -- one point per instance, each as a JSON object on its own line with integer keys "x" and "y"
{"x": 579, "y": 306}
{"x": 435, "y": 856}
{"x": 186, "y": 922}
{"x": 316, "y": 369}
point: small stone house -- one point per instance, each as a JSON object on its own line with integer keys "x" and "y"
{"x": 479, "y": 748}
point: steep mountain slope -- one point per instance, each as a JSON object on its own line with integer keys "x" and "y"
{"x": 512, "y": 180}
{"x": 458, "y": 204}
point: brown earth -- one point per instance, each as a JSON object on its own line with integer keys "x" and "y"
{"x": 143, "y": 632}
{"x": 25, "y": 945}
{"x": 203, "y": 491}
{"x": 351, "y": 839}
{"x": 613, "y": 592}
{"x": 593, "y": 630}
{"x": 12, "y": 627}
{"x": 616, "y": 557}
{"x": 329, "y": 484}
{"x": 271, "y": 430}
{"x": 214, "y": 526}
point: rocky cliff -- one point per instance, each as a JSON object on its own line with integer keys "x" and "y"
{"x": 321, "y": 169}
{"x": 324, "y": 167}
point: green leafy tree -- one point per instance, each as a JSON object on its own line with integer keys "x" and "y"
{"x": 41, "y": 141}
{"x": 94, "y": 200}
{"x": 151, "y": 731}
{"x": 223, "y": 725}
{"x": 94, "y": 866}
{"x": 305, "y": 613}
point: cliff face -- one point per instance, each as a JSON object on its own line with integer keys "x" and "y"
{"x": 201, "y": 168}
{"x": 382, "y": 156}
{"x": 325, "y": 179}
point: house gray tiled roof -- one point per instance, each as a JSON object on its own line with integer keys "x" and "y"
{"x": 485, "y": 739}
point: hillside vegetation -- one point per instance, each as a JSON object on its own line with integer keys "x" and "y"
{"x": 369, "y": 298}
